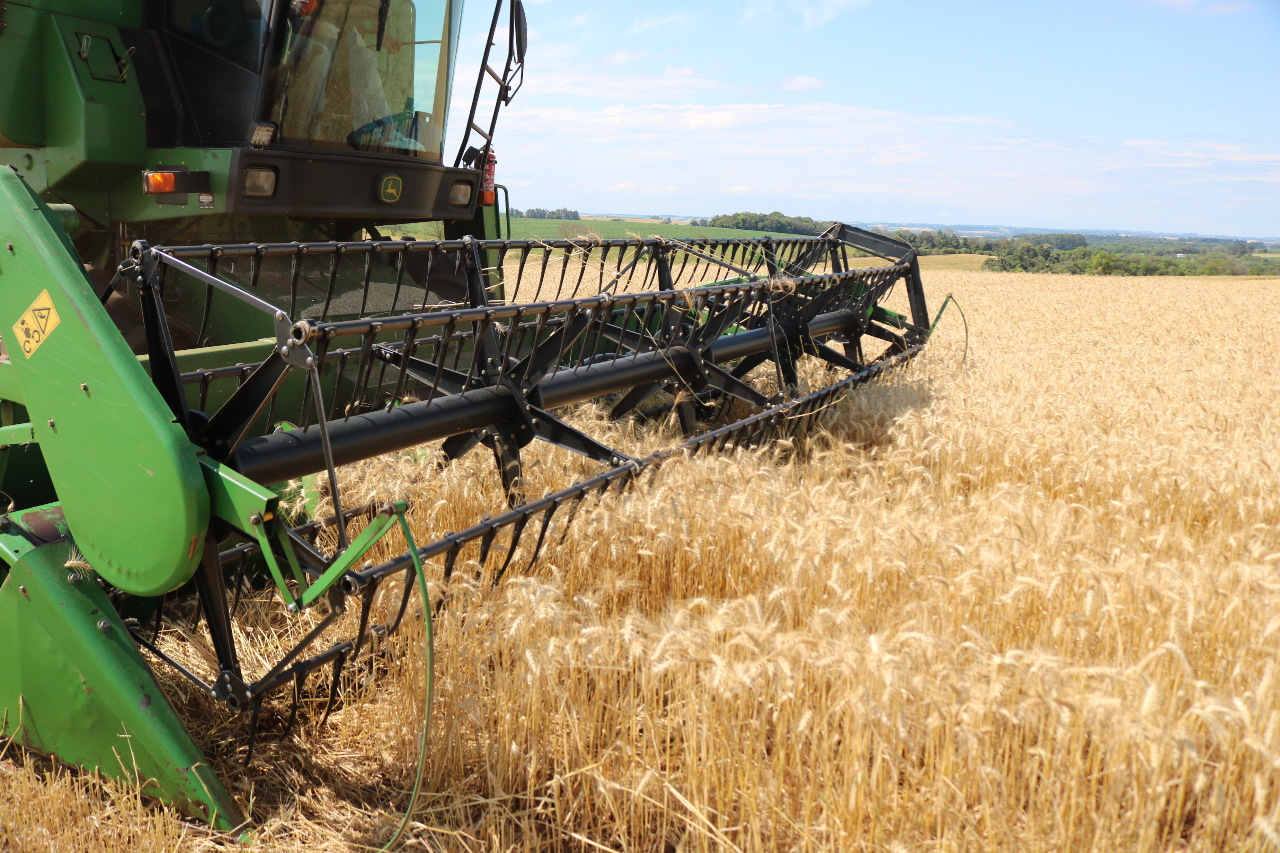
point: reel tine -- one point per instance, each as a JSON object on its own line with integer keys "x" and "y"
{"x": 450, "y": 559}
{"x": 542, "y": 533}
{"x": 517, "y": 530}
{"x": 255, "y": 709}
{"x": 155, "y": 635}
{"x": 335, "y": 685}
{"x": 295, "y": 270}
{"x": 410, "y": 575}
{"x": 574, "y": 503}
{"x": 359, "y": 387}
{"x": 334, "y": 260}
{"x": 395, "y": 298}
{"x": 368, "y": 276}
{"x": 293, "y": 707}
{"x": 242, "y": 566}
{"x": 486, "y": 543}
{"x": 366, "y": 604}
{"x": 211, "y": 267}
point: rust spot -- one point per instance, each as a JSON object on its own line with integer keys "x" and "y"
{"x": 191, "y": 552}
{"x": 46, "y": 525}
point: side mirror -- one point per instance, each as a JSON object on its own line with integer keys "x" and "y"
{"x": 519, "y": 30}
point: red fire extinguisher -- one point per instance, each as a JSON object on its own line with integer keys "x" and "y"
{"x": 488, "y": 193}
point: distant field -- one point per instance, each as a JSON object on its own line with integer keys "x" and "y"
{"x": 605, "y": 229}
{"x": 558, "y": 229}
{"x": 638, "y": 219}
{"x": 952, "y": 262}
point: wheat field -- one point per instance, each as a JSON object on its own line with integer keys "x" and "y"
{"x": 1021, "y": 598}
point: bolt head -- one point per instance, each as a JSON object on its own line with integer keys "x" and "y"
{"x": 104, "y": 626}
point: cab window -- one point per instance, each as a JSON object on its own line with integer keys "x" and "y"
{"x": 231, "y": 28}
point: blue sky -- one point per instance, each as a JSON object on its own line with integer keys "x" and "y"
{"x": 1156, "y": 115}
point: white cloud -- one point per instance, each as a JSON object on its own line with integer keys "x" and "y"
{"x": 622, "y": 57}
{"x": 812, "y": 12}
{"x": 653, "y": 23}
{"x": 1207, "y": 7}
{"x": 801, "y": 83}
{"x": 616, "y": 82}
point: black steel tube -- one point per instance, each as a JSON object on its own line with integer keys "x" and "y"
{"x": 285, "y": 455}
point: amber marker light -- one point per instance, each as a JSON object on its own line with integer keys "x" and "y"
{"x": 156, "y": 183}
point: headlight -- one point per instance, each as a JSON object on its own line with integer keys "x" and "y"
{"x": 259, "y": 182}
{"x": 460, "y": 194}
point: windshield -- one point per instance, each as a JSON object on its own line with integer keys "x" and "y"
{"x": 368, "y": 75}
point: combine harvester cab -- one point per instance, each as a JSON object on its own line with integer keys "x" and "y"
{"x": 201, "y": 307}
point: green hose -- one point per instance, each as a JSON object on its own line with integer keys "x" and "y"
{"x": 950, "y": 298}
{"x": 426, "y": 702}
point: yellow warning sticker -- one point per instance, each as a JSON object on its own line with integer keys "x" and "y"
{"x": 35, "y": 326}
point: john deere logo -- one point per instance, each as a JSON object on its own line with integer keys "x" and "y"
{"x": 389, "y": 188}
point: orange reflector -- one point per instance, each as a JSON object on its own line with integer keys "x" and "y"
{"x": 488, "y": 197}
{"x": 155, "y": 183}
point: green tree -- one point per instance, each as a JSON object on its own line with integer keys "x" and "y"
{"x": 1215, "y": 266}
{"x": 1102, "y": 263}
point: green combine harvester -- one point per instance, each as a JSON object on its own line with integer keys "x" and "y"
{"x": 204, "y": 309}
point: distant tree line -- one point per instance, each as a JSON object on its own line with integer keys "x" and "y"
{"x": 540, "y": 213}
{"x": 1101, "y": 255}
{"x": 774, "y": 223}
{"x": 1066, "y": 252}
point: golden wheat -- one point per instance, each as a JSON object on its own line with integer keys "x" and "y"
{"x": 1029, "y": 602}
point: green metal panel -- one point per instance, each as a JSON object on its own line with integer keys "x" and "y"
{"x": 72, "y": 684}
{"x": 126, "y": 474}
{"x": 95, "y": 123}
{"x": 236, "y": 499}
{"x": 122, "y": 13}
{"x": 131, "y": 204}
{"x": 22, "y": 95}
